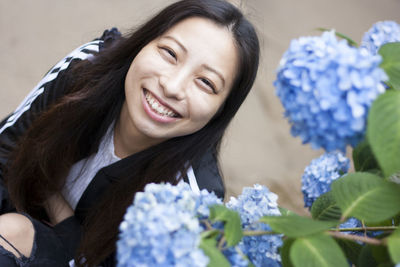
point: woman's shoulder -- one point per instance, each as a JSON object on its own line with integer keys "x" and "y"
{"x": 208, "y": 175}
{"x": 108, "y": 37}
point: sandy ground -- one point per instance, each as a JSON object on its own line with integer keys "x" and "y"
{"x": 258, "y": 147}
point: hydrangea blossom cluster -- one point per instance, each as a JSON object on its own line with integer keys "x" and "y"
{"x": 252, "y": 204}
{"x": 327, "y": 88}
{"x": 319, "y": 175}
{"x": 161, "y": 227}
{"x": 352, "y": 223}
{"x": 321, "y": 172}
{"x": 381, "y": 33}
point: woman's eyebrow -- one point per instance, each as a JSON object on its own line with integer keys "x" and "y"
{"x": 207, "y": 67}
{"x": 176, "y": 41}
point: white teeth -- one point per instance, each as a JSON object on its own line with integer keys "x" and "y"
{"x": 158, "y": 107}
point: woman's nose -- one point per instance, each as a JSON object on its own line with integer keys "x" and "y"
{"x": 174, "y": 85}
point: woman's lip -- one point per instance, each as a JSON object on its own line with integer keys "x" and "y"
{"x": 162, "y": 102}
{"x": 154, "y": 115}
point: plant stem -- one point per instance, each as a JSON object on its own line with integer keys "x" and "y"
{"x": 366, "y": 228}
{"x": 254, "y": 233}
{"x": 221, "y": 243}
{"x": 363, "y": 239}
{"x": 208, "y": 225}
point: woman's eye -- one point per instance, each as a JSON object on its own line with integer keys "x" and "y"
{"x": 169, "y": 52}
{"x": 208, "y": 84}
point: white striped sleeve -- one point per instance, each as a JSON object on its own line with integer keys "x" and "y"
{"x": 83, "y": 52}
{"x": 192, "y": 181}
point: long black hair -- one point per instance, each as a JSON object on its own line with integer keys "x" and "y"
{"x": 72, "y": 128}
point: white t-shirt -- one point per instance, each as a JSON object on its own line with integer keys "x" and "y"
{"x": 82, "y": 172}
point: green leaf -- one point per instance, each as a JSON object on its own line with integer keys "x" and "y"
{"x": 341, "y": 35}
{"x": 396, "y": 220}
{"x": 351, "y": 249}
{"x": 381, "y": 255}
{"x": 296, "y": 226}
{"x": 393, "y": 242}
{"x": 232, "y": 224}
{"x": 388, "y": 222}
{"x": 372, "y": 256}
{"x": 285, "y": 211}
{"x": 383, "y": 131}
{"x": 317, "y": 251}
{"x": 285, "y": 252}
{"x": 363, "y": 158}
{"x": 217, "y": 259}
{"x": 390, "y": 53}
{"x": 210, "y": 233}
{"x": 366, "y": 196}
{"x": 325, "y": 208}
{"x": 366, "y": 259}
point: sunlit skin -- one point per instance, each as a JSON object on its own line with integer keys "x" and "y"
{"x": 188, "y": 71}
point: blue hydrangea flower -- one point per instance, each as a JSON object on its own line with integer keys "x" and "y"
{"x": 204, "y": 201}
{"x": 321, "y": 172}
{"x": 161, "y": 228}
{"x": 252, "y": 204}
{"x": 352, "y": 223}
{"x": 381, "y": 33}
{"x": 355, "y": 223}
{"x": 326, "y": 88}
{"x": 236, "y": 259}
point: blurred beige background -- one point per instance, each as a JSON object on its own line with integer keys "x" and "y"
{"x": 258, "y": 147}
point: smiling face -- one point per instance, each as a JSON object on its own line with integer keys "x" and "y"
{"x": 177, "y": 82}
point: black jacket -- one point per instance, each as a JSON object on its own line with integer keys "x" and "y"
{"x": 203, "y": 174}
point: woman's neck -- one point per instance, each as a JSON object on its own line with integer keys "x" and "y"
{"x": 127, "y": 139}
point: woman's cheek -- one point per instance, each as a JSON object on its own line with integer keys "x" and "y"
{"x": 204, "y": 109}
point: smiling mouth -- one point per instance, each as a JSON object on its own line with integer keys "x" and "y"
{"x": 159, "y": 108}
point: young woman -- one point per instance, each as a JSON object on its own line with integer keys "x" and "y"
{"x": 114, "y": 115}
